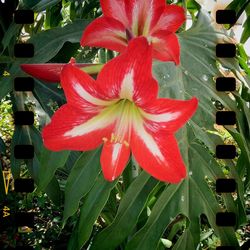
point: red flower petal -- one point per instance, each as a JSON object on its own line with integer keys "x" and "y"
{"x": 115, "y": 9}
{"x": 64, "y": 133}
{"x": 143, "y": 15}
{"x": 49, "y": 72}
{"x": 168, "y": 115}
{"x": 166, "y": 47}
{"x": 130, "y": 75}
{"x": 81, "y": 90}
{"x": 158, "y": 155}
{"x": 105, "y": 32}
{"x": 171, "y": 19}
{"x": 114, "y": 158}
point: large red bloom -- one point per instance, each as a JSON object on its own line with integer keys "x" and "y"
{"x": 121, "y": 111}
{"x": 126, "y": 19}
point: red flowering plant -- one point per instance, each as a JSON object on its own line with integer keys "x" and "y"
{"x": 124, "y": 20}
{"x": 121, "y": 22}
{"x": 136, "y": 110}
{"x": 121, "y": 110}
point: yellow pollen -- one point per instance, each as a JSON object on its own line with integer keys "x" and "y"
{"x": 126, "y": 143}
{"x": 116, "y": 139}
{"x": 113, "y": 138}
{"x": 127, "y": 113}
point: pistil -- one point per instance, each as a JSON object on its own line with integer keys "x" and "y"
{"x": 122, "y": 131}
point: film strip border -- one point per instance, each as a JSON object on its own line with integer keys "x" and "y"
{"x": 21, "y": 118}
{"x": 225, "y": 118}
{"x": 21, "y": 151}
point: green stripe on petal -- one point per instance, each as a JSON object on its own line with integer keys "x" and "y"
{"x": 105, "y": 118}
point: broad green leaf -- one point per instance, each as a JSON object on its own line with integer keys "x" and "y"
{"x": 73, "y": 157}
{"x": 194, "y": 76}
{"x": 80, "y": 181}
{"x": 50, "y": 161}
{"x": 239, "y": 6}
{"x": 46, "y": 44}
{"x": 34, "y": 166}
{"x": 10, "y": 36}
{"x": 92, "y": 206}
{"x": 66, "y": 52}
{"x": 30, "y": 135}
{"x": 14, "y": 29}
{"x": 6, "y": 59}
{"x": 242, "y": 137}
{"x": 39, "y": 5}
{"x": 53, "y": 16}
{"x": 244, "y": 147}
{"x": 54, "y": 192}
{"x": 130, "y": 207}
{"x": 210, "y": 139}
{"x": 246, "y": 32}
{"x": 193, "y": 196}
{"x": 48, "y": 93}
{"x": 26, "y": 135}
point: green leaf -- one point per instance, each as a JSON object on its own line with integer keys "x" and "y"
{"x": 93, "y": 204}
{"x": 47, "y": 44}
{"x": 6, "y": 59}
{"x": 67, "y": 51}
{"x": 2, "y": 146}
{"x": 31, "y": 135}
{"x": 46, "y": 93}
{"x": 246, "y": 32}
{"x": 179, "y": 199}
{"x": 50, "y": 162}
{"x": 131, "y": 206}
{"x": 54, "y": 192}
{"x": 10, "y": 37}
{"x": 80, "y": 181}
{"x": 245, "y": 94}
{"x": 53, "y": 16}
{"x": 194, "y": 77}
{"x": 73, "y": 157}
{"x": 242, "y": 52}
{"x": 39, "y": 5}
{"x": 239, "y": 6}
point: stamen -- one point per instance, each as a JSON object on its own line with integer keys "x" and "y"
{"x": 126, "y": 143}
{"x": 112, "y": 138}
{"x": 128, "y": 113}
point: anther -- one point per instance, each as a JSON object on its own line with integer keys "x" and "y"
{"x": 112, "y": 137}
{"x": 126, "y": 143}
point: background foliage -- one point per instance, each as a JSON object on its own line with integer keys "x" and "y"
{"x": 76, "y": 208}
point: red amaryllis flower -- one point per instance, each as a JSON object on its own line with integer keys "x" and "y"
{"x": 121, "y": 111}
{"x": 126, "y": 19}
